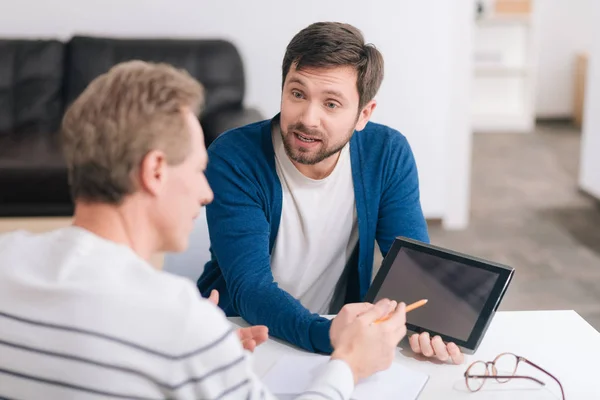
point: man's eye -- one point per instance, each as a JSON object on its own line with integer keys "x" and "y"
{"x": 331, "y": 105}
{"x": 297, "y": 95}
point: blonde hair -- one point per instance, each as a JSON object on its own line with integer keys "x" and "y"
{"x": 123, "y": 114}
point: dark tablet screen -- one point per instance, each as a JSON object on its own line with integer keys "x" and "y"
{"x": 453, "y": 289}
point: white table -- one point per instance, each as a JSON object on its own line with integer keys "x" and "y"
{"x": 560, "y": 341}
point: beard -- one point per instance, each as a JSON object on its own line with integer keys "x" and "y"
{"x": 308, "y": 156}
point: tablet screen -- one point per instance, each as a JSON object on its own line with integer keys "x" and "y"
{"x": 452, "y": 288}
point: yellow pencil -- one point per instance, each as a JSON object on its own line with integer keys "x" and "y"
{"x": 409, "y": 308}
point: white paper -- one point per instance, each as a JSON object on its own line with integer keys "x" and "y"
{"x": 293, "y": 374}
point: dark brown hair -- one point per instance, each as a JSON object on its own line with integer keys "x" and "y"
{"x": 122, "y": 115}
{"x": 334, "y": 44}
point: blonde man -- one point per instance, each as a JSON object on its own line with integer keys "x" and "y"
{"x": 82, "y": 312}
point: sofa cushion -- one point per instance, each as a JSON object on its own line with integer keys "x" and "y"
{"x": 215, "y": 63}
{"x": 32, "y": 170}
{"x": 31, "y": 74}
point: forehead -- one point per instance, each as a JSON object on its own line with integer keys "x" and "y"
{"x": 341, "y": 79}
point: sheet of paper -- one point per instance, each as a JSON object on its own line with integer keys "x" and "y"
{"x": 293, "y": 374}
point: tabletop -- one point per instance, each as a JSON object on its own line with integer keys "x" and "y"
{"x": 561, "y": 342}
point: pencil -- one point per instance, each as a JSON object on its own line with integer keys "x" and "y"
{"x": 409, "y": 308}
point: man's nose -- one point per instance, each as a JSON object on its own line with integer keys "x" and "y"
{"x": 311, "y": 117}
{"x": 207, "y": 196}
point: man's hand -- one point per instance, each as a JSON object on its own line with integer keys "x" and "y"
{"x": 423, "y": 344}
{"x": 368, "y": 346}
{"x": 346, "y": 316}
{"x": 251, "y": 336}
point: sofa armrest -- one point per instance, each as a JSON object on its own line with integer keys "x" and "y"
{"x": 217, "y": 123}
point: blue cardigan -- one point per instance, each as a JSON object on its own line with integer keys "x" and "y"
{"x": 244, "y": 218}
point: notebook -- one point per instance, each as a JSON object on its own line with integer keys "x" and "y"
{"x": 293, "y": 374}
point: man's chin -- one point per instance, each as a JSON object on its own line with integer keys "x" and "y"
{"x": 303, "y": 157}
{"x": 309, "y": 158}
{"x": 301, "y": 160}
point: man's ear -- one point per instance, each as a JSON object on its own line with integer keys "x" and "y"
{"x": 365, "y": 115}
{"x": 153, "y": 171}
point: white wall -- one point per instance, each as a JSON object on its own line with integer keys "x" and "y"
{"x": 590, "y": 142}
{"x": 417, "y": 39}
{"x": 565, "y": 29}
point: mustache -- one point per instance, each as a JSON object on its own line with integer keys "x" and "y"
{"x": 301, "y": 128}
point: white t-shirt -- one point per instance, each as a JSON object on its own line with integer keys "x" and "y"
{"x": 85, "y": 318}
{"x": 318, "y": 230}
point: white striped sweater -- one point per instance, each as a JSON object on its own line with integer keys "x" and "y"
{"x": 85, "y": 318}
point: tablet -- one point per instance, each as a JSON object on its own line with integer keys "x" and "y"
{"x": 463, "y": 292}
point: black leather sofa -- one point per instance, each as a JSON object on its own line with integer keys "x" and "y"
{"x": 40, "y": 78}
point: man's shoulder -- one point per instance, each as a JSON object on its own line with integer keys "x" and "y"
{"x": 246, "y": 139}
{"x": 382, "y": 142}
{"x": 382, "y": 132}
{"x": 9, "y": 237}
{"x": 242, "y": 153}
{"x": 18, "y": 243}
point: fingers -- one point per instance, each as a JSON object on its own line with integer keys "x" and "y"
{"x": 425, "y": 344}
{"x": 214, "y": 297}
{"x": 381, "y": 309}
{"x": 259, "y": 333}
{"x": 253, "y": 336}
{"x": 244, "y": 333}
{"x": 398, "y": 316}
{"x": 356, "y": 309}
{"x": 249, "y": 345}
{"x": 439, "y": 348}
{"x": 414, "y": 343}
{"x": 422, "y": 344}
{"x": 455, "y": 353}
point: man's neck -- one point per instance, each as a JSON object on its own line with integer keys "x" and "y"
{"x": 121, "y": 224}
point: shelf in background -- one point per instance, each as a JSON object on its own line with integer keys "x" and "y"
{"x": 501, "y": 70}
{"x": 504, "y": 67}
{"x": 495, "y": 20}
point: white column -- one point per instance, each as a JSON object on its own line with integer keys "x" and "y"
{"x": 458, "y": 129}
{"x": 589, "y": 178}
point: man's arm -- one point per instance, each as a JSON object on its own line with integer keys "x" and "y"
{"x": 239, "y": 233}
{"x": 213, "y": 363}
{"x": 400, "y": 212}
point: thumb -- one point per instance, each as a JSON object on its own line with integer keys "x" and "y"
{"x": 214, "y": 297}
{"x": 381, "y": 309}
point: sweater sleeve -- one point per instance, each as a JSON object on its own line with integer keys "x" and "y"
{"x": 212, "y": 363}
{"x": 239, "y": 232}
{"x": 400, "y": 212}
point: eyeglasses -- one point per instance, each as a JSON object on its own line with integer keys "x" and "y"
{"x": 502, "y": 369}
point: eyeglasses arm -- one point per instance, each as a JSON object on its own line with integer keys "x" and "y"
{"x": 505, "y": 377}
{"x": 562, "y": 391}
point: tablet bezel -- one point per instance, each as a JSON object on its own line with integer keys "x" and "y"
{"x": 505, "y": 274}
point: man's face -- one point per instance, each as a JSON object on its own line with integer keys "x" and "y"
{"x": 184, "y": 191}
{"x": 319, "y": 112}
